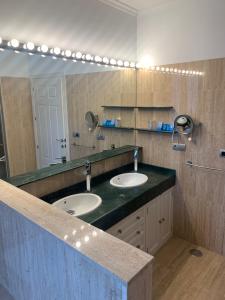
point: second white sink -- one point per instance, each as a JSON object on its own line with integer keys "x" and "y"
{"x": 79, "y": 204}
{"x": 127, "y": 180}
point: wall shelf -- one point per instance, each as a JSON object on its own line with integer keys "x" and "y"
{"x": 139, "y": 107}
{"x": 156, "y": 107}
{"x": 121, "y": 127}
{"x": 153, "y": 131}
{"x": 117, "y": 107}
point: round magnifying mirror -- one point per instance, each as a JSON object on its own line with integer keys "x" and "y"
{"x": 184, "y": 124}
{"x": 91, "y": 120}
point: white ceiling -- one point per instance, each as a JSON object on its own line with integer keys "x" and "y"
{"x": 135, "y": 5}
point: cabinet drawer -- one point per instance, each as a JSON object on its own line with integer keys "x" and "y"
{"x": 135, "y": 232}
{"x": 129, "y": 226}
{"x": 138, "y": 241}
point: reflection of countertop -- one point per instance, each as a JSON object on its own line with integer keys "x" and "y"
{"x": 117, "y": 203}
{"x": 70, "y": 165}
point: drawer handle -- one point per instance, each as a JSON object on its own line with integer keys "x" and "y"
{"x": 120, "y": 231}
{"x": 138, "y": 232}
{"x": 138, "y": 218}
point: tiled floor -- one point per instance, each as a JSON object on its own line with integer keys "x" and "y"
{"x": 180, "y": 276}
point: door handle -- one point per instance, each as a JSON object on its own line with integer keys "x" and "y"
{"x": 61, "y": 140}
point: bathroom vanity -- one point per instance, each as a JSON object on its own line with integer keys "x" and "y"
{"x": 140, "y": 216}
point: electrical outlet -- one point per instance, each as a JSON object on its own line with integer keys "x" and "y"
{"x": 76, "y": 134}
{"x": 100, "y": 137}
{"x": 222, "y": 153}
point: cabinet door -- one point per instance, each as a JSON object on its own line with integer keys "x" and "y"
{"x": 166, "y": 213}
{"x": 152, "y": 226}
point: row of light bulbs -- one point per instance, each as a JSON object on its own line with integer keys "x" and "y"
{"x": 170, "y": 70}
{"x": 57, "y": 52}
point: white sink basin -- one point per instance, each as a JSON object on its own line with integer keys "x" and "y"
{"x": 79, "y": 204}
{"x": 127, "y": 180}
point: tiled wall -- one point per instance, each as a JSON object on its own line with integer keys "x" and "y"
{"x": 199, "y": 208}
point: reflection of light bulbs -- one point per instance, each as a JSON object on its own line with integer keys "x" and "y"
{"x": 30, "y": 46}
{"x": 88, "y": 57}
{"x": 98, "y": 59}
{"x": 78, "y": 55}
{"x": 14, "y": 43}
{"x": 189, "y": 138}
{"x": 44, "y": 48}
{"x": 0, "y": 40}
{"x": 68, "y": 53}
{"x": 105, "y": 60}
{"x": 126, "y": 64}
{"x": 112, "y": 61}
{"x": 57, "y": 50}
{"x": 120, "y": 63}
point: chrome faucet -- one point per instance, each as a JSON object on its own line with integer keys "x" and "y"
{"x": 136, "y": 160}
{"x": 88, "y": 175}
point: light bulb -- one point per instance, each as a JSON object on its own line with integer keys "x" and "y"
{"x": 14, "y": 43}
{"x": 105, "y": 60}
{"x": 132, "y": 65}
{"x": 57, "y": 50}
{"x": 30, "y": 46}
{"x": 44, "y": 48}
{"x": 68, "y": 53}
{"x": 98, "y": 59}
{"x": 138, "y": 65}
{"x": 162, "y": 69}
{"x": 112, "y": 61}
{"x": 157, "y": 68}
{"x": 0, "y": 40}
{"x": 78, "y": 55}
{"x": 120, "y": 63}
{"x": 126, "y": 64}
{"x": 88, "y": 57}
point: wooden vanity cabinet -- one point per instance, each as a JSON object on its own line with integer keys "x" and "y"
{"x": 149, "y": 227}
{"x": 159, "y": 221}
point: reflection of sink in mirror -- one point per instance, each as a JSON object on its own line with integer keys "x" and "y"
{"x": 79, "y": 204}
{"x": 127, "y": 180}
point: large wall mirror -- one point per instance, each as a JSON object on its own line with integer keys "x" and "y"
{"x": 43, "y": 107}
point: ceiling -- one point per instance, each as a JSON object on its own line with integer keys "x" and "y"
{"x": 136, "y": 5}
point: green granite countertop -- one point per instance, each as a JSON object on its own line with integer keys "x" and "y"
{"x": 117, "y": 203}
{"x": 70, "y": 165}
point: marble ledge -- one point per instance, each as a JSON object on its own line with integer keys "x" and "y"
{"x": 43, "y": 173}
{"x": 96, "y": 245}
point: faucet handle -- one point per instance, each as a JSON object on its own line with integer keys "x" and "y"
{"x": 136, "y": 152}
{"x": 88, "y": 167}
